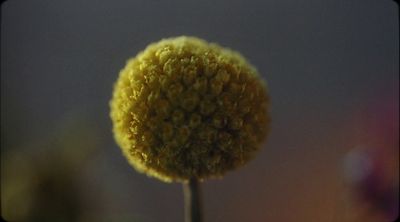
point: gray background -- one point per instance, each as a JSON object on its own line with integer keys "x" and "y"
{"x": 324, "y": 61}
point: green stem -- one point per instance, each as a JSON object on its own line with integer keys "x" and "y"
{"x": 193, "y": 202}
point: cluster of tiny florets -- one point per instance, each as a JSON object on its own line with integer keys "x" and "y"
{"x": 185, "y": 108}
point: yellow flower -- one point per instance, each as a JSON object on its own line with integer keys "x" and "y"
{"x": 184, "y": 108}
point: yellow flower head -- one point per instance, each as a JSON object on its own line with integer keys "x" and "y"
{"x": 184, "y": 108}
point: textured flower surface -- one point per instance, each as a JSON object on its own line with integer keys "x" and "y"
{"x": 184, "y": 108}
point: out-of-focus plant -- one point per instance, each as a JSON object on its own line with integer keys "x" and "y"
{"x": 372, "y": 169}
{"x": 40, "y": 182}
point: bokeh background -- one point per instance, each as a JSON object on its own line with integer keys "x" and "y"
{"x": 332, "y": 69}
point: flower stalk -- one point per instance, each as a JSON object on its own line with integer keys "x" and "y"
{"x": 193, "y": 201}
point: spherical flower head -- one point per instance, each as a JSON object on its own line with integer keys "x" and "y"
{"x": 184, "y": 108}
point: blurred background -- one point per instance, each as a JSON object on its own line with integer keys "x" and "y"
{"x": 332, "y": 69}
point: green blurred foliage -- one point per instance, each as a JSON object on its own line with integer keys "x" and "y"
{"x": 40, "y": 180}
